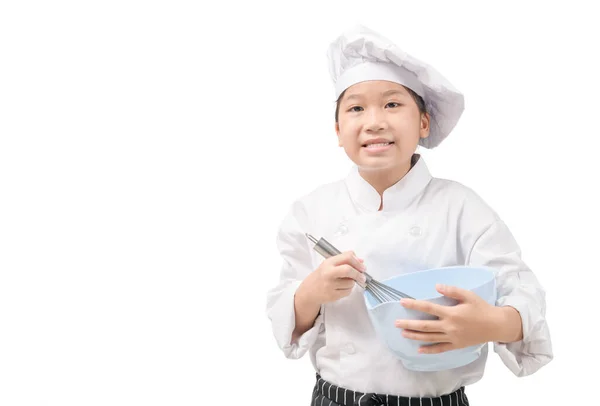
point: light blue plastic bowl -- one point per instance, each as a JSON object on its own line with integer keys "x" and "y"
{"x": 421, "y": 286}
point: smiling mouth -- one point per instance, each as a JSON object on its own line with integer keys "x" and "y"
{"x": 378, "y": 145}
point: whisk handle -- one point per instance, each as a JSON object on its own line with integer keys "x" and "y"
{"x": 326, "y": 249}
{"x": 323, "y": 247}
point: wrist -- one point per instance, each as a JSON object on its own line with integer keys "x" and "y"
{"x": 306, "y": 293}
{"x": 508, "y": 326}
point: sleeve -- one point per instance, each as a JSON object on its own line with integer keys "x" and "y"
{"x": 293, "y": 247}
{"x": 519, "y": 288}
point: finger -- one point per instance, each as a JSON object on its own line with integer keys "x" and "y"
{"x": 343, "y": 258}
{"x": 427, "y": 337}
{"x": 348, "y": 271}
{"x": 424, "y": 306}
{"x": 342, "y": 292}
{"x": 350, "y": 258}
{"x": 454, "y": 292}
{"x": 427, "y": 326}
{"x": 436, "y": 348}
{"x": 357, "y": 263}
{"x": 344, "y": 283}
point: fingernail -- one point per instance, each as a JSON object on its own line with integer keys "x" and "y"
{"x": 360, "y": 262}
{"x": 440, "y": 286}
{"x": 363, "y": 278}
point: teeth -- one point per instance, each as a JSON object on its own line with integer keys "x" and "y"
{"x": 378, "y": 145}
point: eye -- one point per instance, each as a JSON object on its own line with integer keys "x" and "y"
{"x": 392, "y": 105}
{"x": 356, "y": 109}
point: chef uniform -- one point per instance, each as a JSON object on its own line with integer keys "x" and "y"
{"x": 425, "y": 222}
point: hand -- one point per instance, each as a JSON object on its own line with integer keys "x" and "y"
{"x": 335, "y": 277}
{"x": 470, "y": 322}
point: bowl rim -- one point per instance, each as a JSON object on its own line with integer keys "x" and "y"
{"x": 438, "y": 295}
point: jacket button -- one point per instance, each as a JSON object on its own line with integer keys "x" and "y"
{"x": 415, "y": 231}
{"x": 349, "y": 348}
{"x": 342, "y": 230}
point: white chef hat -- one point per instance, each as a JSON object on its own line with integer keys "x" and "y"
{"x": 361, "y": 54}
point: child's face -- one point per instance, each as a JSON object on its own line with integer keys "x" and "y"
{"x": 380, "y": 110}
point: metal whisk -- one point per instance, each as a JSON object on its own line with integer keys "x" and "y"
{"x": 381, "y": 292}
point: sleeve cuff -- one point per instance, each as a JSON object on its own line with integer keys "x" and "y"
{"x": 526, "y": 356}
{"x": 283, "y": 317}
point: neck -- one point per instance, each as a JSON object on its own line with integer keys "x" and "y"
{"x": 382, "y": 179}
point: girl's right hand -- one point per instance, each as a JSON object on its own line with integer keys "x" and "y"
{"x": 336, "y": 276}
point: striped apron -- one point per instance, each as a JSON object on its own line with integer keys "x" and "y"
{"x": 327, "y": 394}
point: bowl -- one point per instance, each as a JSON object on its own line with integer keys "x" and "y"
{"x": 421, "y": 286}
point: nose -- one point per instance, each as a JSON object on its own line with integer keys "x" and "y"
{"x": 376, "y": 120}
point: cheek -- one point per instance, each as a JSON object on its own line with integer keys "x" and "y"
{"x": 408, "y": 130}
{"x": 350, "y": 143}
{"x": 344, "y": 127}
{"x": 349, "y": 135}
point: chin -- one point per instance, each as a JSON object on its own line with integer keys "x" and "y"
{"x": 365, "y": 165}
{"x": 381, "y": 163}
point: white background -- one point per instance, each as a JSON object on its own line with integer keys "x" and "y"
{"x": 149, "y": 150}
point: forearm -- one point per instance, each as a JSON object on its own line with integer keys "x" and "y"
{"x": 306, "y": 309}
{"x": 509, "y": 327}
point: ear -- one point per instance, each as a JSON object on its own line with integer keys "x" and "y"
{"x": 425, "y": 121}
{"x": 337, "y": 132}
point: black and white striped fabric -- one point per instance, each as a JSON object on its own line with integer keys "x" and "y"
{"x": 326, "y": 394}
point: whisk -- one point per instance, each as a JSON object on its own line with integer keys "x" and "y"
{"x": 381, "y": 292}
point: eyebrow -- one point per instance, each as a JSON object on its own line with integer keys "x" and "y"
{"x": 384, "y": 94}
{"x": 394, "y": 91}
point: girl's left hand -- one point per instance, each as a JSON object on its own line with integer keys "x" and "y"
{"x": 472, "y": 321}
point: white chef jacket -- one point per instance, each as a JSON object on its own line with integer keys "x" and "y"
{"x": 425, "y": 223}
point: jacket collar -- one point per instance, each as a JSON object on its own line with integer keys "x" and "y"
{"x": 397, "y": 196}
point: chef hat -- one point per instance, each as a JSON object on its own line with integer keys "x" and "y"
{"x": 361, "y": 54}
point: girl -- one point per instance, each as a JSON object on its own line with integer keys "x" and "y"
{"x": 391, "y": 215}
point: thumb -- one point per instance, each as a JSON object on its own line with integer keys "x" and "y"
{"x": 462, "y": 295}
